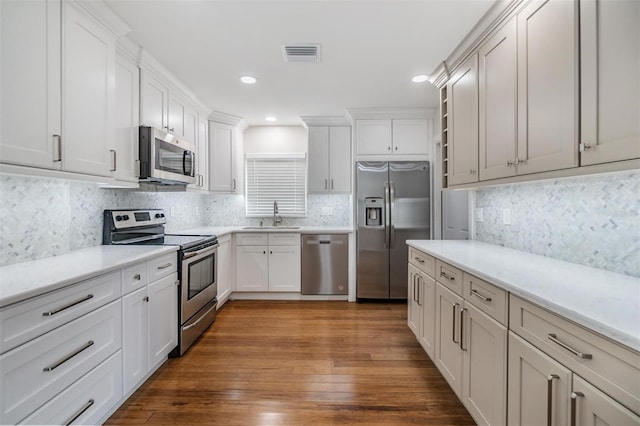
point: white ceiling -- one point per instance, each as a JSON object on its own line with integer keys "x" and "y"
{"x": 370, "y": 50}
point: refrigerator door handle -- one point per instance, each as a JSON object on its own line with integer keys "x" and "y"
{"x": 387, "y": 215}
{"x": 392, "y": 205}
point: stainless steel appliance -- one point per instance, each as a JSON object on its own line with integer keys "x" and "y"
{"x": 325, "y": 260}
{"x": 165, "y": 159}
{"x": 197, "y": 270}
{"x": 393, "y": 206}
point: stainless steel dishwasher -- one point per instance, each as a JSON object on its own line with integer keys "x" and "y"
{"x": 325, "y": 260}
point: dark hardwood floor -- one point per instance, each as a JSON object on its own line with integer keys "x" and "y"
{"x": 299, "y": 363}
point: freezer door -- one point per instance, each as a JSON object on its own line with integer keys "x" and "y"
{"x": 372, "y": 280}
{"x": 410, "y": 218}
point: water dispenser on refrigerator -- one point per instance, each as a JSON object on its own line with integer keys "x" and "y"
{"x": 373, "y": 211}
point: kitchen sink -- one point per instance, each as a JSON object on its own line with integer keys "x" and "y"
{"x": 269, "y": 228}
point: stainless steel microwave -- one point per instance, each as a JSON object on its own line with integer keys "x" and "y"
{"x": 165, "y": 159}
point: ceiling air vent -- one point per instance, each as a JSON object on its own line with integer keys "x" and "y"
{"x": 301, "y": 52}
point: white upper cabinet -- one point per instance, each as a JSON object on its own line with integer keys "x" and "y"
{"x": 610, "y": 86}
{"x": 329, "y": 159}
{"x": 221, "y": 157}
{"x": 462, "y": 91}
{"x": 410, "y": 136}
{"x": 374, "y": 136}
{"x": 547, "y": 86}
{"x": 497, "y": 109}
{"x": 126, "y": 118}
{"x": 30, "y": 123}
{"x": 176, "y": 115}
{"x": 154, "y": 102}
{"x": 202, "y": 155}
{"x": 392, "y": 136}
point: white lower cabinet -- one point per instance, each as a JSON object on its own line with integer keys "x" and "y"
{"x": 252, "y": 268}
{"x": 225, "y": 269}
{"x": 448, "y": 356}
{"x": 284, "y": 268}
{"x": 413, "y": 302}
{"x": 163, "y": 318}
{"x": 590, "y": 406}
{"x": 134, "y": 343}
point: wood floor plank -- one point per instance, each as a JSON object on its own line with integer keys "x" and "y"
{"x": 299, "y": 363}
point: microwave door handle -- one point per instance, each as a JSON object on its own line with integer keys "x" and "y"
{"x": 193, "y": 163}
{"x": 184, "y": 163}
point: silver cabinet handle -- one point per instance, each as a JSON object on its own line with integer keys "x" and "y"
{"x": 550, "y": 378}
{"x": 479, "y": 296}
{"x": 326, "y": 184}
{"x": 145, "y": 299}
{"x": 418, "y": 259}
{"x": 574, "y": 397}
{"x": 67, "y": 306}
{"x": 555, "y": 340}
{"x": 136, "y": 277}
{"x": 443, "y": 274}
{"x": 419, "y": 293}
{"x": 165, "y": 266}
{"x": 113, "y": 151}
{"x": 58, "y": 140}
{"x": 510, "y": 163}
{"x": 519, "y": 161}
{"x": 462, "y": 329}
{"x": 68, "y": 357}
{"x": 332, "y": 183}
{"x": 80, "y": 412}
{"x": 455, "y": 305}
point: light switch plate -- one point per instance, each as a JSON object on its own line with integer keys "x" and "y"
{"x": 479, "y": 214}
{"x": 506, "y": 216}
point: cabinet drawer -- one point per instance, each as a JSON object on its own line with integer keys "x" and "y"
{"x": 256, "y": 239}
{"x": 88, "y": 400}
{"x": 162, "y": 266}
{"x": 284, "y": 239}
{"x": 611, "y": 367}
{"x": 134, "y": 277}
{"x": 487, "y": 297}
{"x": 29, "y": 319}
{"x": 449, "y": 276}
{"x": 422, "y": 261}
{"x": 35, "y": 372}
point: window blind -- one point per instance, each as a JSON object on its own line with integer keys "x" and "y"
{"x": 281, "y": 178}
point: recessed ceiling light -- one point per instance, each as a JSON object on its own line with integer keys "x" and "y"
{"x": 247, "y": 79}
{"x": 420, "y": 78}
{"x": 270, "y": 118}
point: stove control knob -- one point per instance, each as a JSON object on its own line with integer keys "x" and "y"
{"x": 125, "y": 217}
{"x": 161, "y": 214}
{"x": 118, "y": 218}
{"x": 158, "y": 215}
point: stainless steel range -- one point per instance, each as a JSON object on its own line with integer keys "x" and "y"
{"x": 197, "y": 297}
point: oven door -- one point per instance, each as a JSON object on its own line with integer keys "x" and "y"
{"x": 199, "y": 281}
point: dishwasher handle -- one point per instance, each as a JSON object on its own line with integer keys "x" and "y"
{"x": 317, "y": 242}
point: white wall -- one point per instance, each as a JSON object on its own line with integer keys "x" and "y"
{"x": 275, "y": 139}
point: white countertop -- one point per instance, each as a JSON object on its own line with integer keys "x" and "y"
{"x": 20, "y": 281}
{"x": 224, "y": 230}
{"x": 603, "y": 301}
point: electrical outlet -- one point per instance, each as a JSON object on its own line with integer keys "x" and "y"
{"x": 506, "y": 216}
{"x": 327, "y": 211}
{"x": 479, "y": 214}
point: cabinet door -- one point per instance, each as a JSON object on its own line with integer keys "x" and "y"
{"x": 484, "y": 384}
{"x": 134, "y": 338}
{"x": 448, "y": 357}
{"x": 31, "y": 95}
{"x": 413, "y": 307}
{"x": 428, "y": 304}
{"x": 410, "y": 137}
{"x": 538, "y": 386}
{"x": 591, "y": 407}
{"x": 462, "y": 91}
{"x": 318, "y": 159}
{"x": 127, "y": 115}
{"x": 154, "y": 102}
{"x": 176, "y": 123}
{"x": 252, "y": 268}
{"x": 498, "y": 101}
{"x": 202, "y": 155}
{"x": 284, "y": 268}
{"x": 88, "y": 77}
{"x": 547, "y": 86}
{"x": 190, "y": 131}
{"x": 221, "y": 176}
{"x": 610, "y": 96}
{"x": 340, "y": 159}
{"x": 373, "y": 137}
{"x": 163, "y": 318}
{"x": 224, "y": 269}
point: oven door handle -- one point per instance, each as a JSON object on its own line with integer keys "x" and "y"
{"x": 199, "y": 252}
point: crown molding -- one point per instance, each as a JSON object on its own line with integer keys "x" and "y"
{"x": 232, "y": 120}
{"x": 99, "y": 10}
{"x": 380, "y": 113}
{"x": 325, "y": 121}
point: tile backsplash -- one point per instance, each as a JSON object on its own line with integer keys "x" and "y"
{"x": 591, "y": 220}
{"x": 44, "y": 217}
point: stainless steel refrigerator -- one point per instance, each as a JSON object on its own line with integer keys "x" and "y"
{"x": 393, "y": 206}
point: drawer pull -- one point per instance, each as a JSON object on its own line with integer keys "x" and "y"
{"x": 462, "y": 329}
{"x": 418, "y": 259}
{"x": 165, "y": 266}
{"x": 479, "y": 296}
{"x": 80, "y": 412}
{"x": 68, "y": 357}
{"x": 574, "y": 396}
{"x": 555, "y": 340}
{"x": 453, "y": 336}
{"x": 137, "y": 277}
{"x": 65, "y": 307}
{"x": 443, "y": 274}
{"x": 550, "y": 378}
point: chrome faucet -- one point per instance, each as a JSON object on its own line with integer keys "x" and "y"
{"x": 276, "y": 219}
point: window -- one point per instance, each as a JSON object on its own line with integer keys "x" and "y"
{"x": 277, "y": 177}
